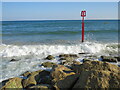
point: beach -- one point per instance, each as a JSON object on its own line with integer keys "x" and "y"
{"x": 36, "y": 46}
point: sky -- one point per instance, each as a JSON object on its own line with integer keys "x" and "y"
{"x": 60, "y": 0}
{"x": 58, "y": 10}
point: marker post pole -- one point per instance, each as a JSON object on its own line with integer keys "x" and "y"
{"x": 83, "y": 14}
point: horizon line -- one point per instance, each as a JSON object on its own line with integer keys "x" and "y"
{"x": 54, "y": 19}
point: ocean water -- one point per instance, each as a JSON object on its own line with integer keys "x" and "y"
{"x": 30, "y": 42}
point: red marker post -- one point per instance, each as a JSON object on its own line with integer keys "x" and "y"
{"x": 83, "y": 14}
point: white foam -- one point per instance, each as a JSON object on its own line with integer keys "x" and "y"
{"x": 44, "y": 50}
{"x": 34, "y": 55}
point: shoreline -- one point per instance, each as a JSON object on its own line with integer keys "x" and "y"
{"x": 67, "y": 62}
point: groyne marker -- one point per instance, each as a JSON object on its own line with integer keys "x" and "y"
{"x": 83, "y": 14}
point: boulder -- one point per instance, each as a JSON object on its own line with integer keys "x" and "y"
{"x": 41, "y": 87}
{"x": 43, "y": 77}
{"x": 118, "y": 58}
{"x": 67, "y": 83}
{"x": 73, "y": 55}
{"x": 92, "y": 75}
{"x": 108, "y": 59}
{"x": 83, "y": 53}
{"x": 84, "y": 60}
{"x": 69, "y": 63}
{"x": 95, "y": 65}
{"x": 90, "y": 80}
{"x": 45, "y": 80}
{"x": 59, "y": 72}
{"x": 50, "y": 57}
{"x": 48, "y": 64}
{"x": 76, "y": 62}
{"x": 36, "y": 72}
{"x": 29, "y": 82}
{"x": 35, "y": 78}
{"x": 93, "y": 79}
{"x": 13, "y": 83}
{"x": 64, "y": 62}
{"x": 64, "y": 55}
{"x": 68, "y": 59}
{"x": 12, "y": 60}
{"x": 68, "y": 55}
{"x": 26, "y": 74}
{"x": 3, "y": 83}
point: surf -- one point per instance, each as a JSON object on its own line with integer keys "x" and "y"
{"x": 44, "y": 50}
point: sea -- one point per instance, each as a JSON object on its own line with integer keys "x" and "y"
{"x": 29, "y": 42}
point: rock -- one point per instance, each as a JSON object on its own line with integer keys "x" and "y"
{"x": 12, "y": 60}
{"x": 64, "y": 55}
{"x": 50, "y": 57}
{"x": 46, "y": 80}
{"x": 35, "y": 78}
{"x": 118, "y": 58}
{"x": 76, "y": 62}
{"x": 90, "y": 80}
{"x": 108, "y": 59}
{"x": 64, "y": 62}
{"x": 73, "y": 55}
{"x": 92, "y": 75}
{"x": 41, "y": 87}
{"x": 68, "y": 55}
{"x": 95, "y": 65}
{"x": 13, "y": 83}
{"x": 26, "y": 74}
{"x": 67, "y": 83}
{"x": 3, "y": 83}
{"x": 36, "y": 72}
{"x": 69, "y": 63}
{"x": 84, "y": 60}
{"x": 59, "y": 72}
{"x": 68, "y": 58}
{"x": 30, "y": 81}
{"x": 82, "y": 53}
{"x": 48, "y": 64}
{"x": 43, "y": 77}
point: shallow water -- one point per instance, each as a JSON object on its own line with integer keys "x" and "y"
{"x": 30, "y": 42}
{"x": 58, "y": 31}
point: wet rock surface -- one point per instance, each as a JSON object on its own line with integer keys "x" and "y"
{"x": 41, "y": 87}
{"x": 68, "y": 55}
{"x": 92, "y": 74}
{"x": 13, "y": 60}
{"x": 36, "y": 78}
{"x": 68, "y": 59}
{"x": 48, "y": 64}
{"x": 108, "y": 59}
{"x": 50, "y": 57}
{"x": 84, "y": 60}
{"x": 118, "y": 58}
{"x": 14, "y": 83}
{"x": 71, "y": 74}
{"x": 26, "y": 74}
{"x": 59, "y": 72}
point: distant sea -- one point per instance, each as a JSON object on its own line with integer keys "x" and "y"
{"x": 31, "y": 41}
{"x": 58, "y": 31}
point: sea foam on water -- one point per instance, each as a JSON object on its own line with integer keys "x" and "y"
{"x": 30, "y": 57}
{"x": 44, "y": 50}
